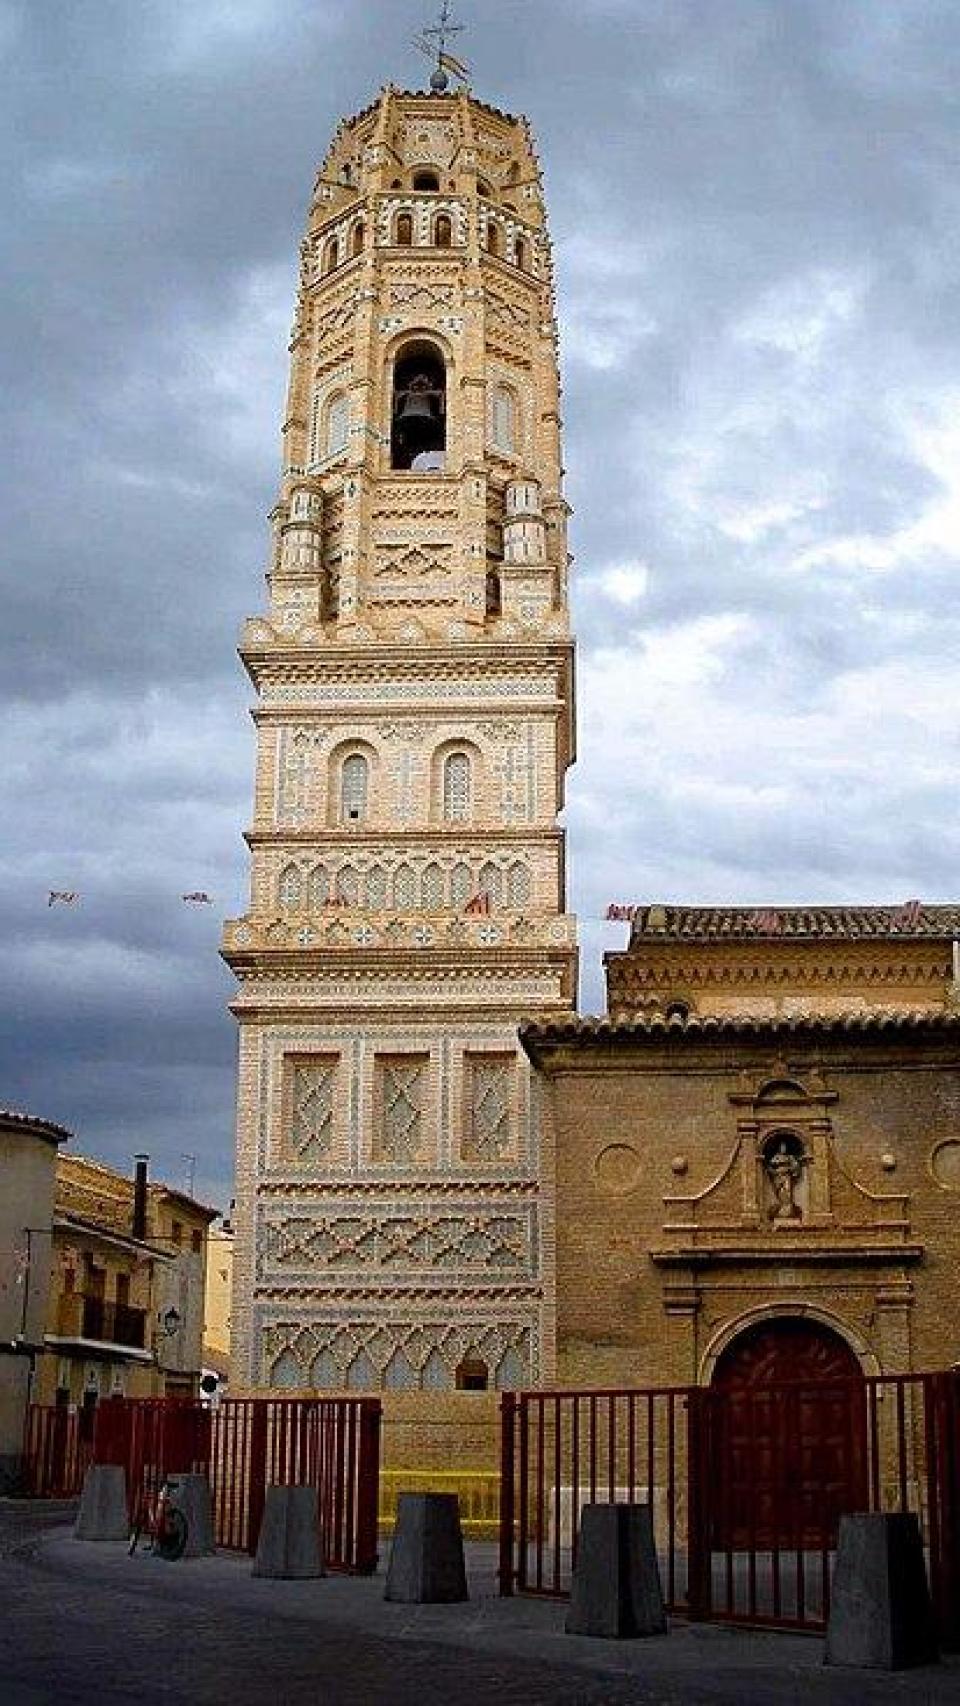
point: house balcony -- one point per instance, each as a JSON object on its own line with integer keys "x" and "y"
{"x": 95, "y": 1326}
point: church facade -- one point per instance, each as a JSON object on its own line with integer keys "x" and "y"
{"x": 756, "y": 1157}
{"x": 413, "y": 672}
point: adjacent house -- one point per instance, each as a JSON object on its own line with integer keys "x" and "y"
{"x": 127, "y": 1284}
{"x": 28, "y": 1160}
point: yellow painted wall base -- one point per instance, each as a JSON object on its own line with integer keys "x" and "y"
{"x": 477, "y": 1489}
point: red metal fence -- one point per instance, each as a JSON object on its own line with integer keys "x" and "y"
{"x": 57, "y": 1447}
{"x": 244, "y": 1445}
{"x": 746, "y": 1488}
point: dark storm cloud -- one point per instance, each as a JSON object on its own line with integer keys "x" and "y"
{"x": 755, "y": 213}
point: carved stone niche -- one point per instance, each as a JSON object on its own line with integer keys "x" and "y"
{"x": 784, "y": 1135}
{"x": 783, "y": 1189}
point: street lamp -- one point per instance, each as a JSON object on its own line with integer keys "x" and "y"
{"x": 169, "y": 1322}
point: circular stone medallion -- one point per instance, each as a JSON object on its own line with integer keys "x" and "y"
{"x": 945, "y": 1164}
{"x": 617, "y": 1169}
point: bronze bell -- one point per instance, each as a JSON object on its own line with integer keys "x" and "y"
{"x": 415, "y": 405}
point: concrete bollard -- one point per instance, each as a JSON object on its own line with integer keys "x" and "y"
{"x": 881, "y": 1615}
{"x": 190, "y": 1494}
{"x": 426, "y": 1558}
{"x": 289, "y": 1543}
{"x": 616, "y": 1583}
{"x": 103, "y": 1504}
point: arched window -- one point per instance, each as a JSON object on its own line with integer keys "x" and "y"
{"x": 338, "y": 422}
{"x": 461, "y": 885}
{"x": 442, "y": 231}
{"x": 483, "y": 188}
{"x": 456, "y": 787}
{"x": 404, "y": 889}
{"x": 286, "y": 1371}
{"x": 403, "y": 231}
{"x": 426, "y": 181}
{"x": 354, "y": 782}
{"x": 491, "y": 883}
{"x": 520, "y": 254}
{"x": 518, "y": 885}
{"x": 493, "y": 238}
{"x": 318, "y": 888}
{"x": 330, "y": 254}
{"x": 432, "y": 888}
{"x": 494, "y": 601}
{"x": 291, "y": 888}
{"x": 361, "y": 1374}
{"x": 418, "y": 435}
{"x": 356, "y": 239}
{"x": 504, "y": 419}
{"x": 348, "y": 886}
{"x": 376, "y": 888}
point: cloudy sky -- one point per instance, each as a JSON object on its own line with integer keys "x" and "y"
{"x": 755, "y": 210}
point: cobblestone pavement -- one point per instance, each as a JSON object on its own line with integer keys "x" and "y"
{"x": 88, "y": 1626}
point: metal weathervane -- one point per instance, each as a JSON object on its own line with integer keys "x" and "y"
{"x": 433, "y": 43}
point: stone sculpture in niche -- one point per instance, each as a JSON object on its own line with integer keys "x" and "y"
{"x": 784, "y": 1169}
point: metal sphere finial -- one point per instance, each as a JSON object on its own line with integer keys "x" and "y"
{"x": 439, "y": 81}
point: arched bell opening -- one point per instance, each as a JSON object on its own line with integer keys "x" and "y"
{"x": 418, "y": 426}
{"x": 428, "y": 181}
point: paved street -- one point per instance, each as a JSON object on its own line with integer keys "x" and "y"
{"x": 88, "y": 1626}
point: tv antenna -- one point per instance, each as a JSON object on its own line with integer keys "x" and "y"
{"x": 432, "y": 42}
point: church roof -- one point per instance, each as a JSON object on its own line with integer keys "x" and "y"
{"x": 810, "y": 923}
{"x": 878, "y": 1022}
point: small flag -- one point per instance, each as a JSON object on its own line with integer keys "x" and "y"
{"x": 197, "y": 897}
{"x": 66, "y": 896}
{"x": 766, "y": 921}
{"x": 449, "y": 63}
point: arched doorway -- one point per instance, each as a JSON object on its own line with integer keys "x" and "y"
{"x": 789, "y": 1435}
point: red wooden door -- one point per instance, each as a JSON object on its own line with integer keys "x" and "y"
{"x": 789, "y": 1437}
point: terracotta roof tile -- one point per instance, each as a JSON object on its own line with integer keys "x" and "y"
{"x": 32, "y": 1122}
{"x": 695, "y": 1025}
{"x": 811, "y": 923}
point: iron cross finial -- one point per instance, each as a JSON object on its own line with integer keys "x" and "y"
{"x": 433, "y": 42}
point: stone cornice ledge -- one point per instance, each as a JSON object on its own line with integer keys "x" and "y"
{"x": 846, "y": 1254}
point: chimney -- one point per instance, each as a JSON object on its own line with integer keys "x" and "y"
{"x": 140, "y": 1196}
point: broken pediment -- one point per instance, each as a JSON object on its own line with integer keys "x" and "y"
{"x": 783, "y": 1189}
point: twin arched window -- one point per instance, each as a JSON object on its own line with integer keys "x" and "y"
{"x": 356, "y": 239}
{"x": 442, "y": 231}
{"x": 403, "y": 230}
{"x": 456, "y": 786}
{"x": 330, "y": 254}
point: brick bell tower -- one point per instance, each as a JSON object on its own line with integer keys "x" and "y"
{"x": 415, "y": 722}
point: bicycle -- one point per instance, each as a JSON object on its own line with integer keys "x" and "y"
{"x": 165, "y": 1525}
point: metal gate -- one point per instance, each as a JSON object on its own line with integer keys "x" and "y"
{"x": 746, "y": 1489}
